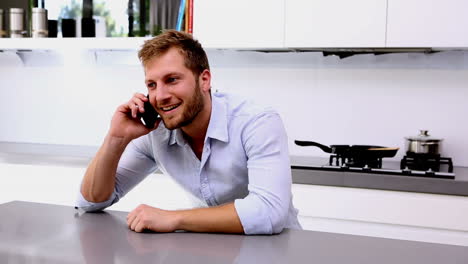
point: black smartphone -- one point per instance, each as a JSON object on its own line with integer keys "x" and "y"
{"x": 150, "y": 115}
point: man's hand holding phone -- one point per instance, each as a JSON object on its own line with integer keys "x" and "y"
{"x": 99, "y": 181}
{"x": 134, "y": 119}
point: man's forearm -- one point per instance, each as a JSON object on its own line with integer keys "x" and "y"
{"x": 222, "y": 219}
{"x": 219, "y": 219}
{"x": 99, "y": 181}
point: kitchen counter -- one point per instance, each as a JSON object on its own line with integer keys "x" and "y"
{"x": 302, "y": 175}
{"x": 34, "y": 232}
{"x": 80, "y": 156}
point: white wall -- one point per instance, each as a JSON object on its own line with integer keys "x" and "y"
{"x": 366, "y": 99}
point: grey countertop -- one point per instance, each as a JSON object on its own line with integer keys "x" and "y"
{"x": 80, "y": 156}
{"x": 43, "y": 233}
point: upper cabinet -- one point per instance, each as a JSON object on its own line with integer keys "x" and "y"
{"x": 335, "y": 23}
{"x": 423, "y": 23}
{"x": 331, "y": 23}
{"x": 239, "y": 24}
{"x": 305, "y": 24}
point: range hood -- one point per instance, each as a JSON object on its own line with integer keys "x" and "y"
{"x": 353, "y": 50}
{"x": 346, "y": 52}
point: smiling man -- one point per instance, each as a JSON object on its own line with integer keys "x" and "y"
{"x": 228, "y": 152}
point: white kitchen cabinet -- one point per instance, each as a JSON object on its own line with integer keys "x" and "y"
{"x": 239, "y": 24}
{"x": 335, "y": 23}
{"x": 379, "y": 206}
{"x": 391, "y": 214}
{"x": 423, "y": 23}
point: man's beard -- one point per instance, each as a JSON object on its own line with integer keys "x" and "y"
{"x": 192, "y": 108}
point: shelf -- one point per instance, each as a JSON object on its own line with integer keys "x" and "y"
{"x": 72, "y": 43}
{"x": 135, "y": 43}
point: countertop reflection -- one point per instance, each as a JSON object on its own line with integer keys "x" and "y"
{"x": 44, "y": 233}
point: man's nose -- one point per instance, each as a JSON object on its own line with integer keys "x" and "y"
{"x": 162, "y": 94}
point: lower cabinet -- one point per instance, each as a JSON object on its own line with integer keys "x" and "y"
{"x": 391, "y": 214}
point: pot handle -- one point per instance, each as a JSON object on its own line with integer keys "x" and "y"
{"x": 313, "y": 144}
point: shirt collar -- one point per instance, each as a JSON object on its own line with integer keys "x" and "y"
{"x": 217, "y": 128}
{"x": 176, "y": 136}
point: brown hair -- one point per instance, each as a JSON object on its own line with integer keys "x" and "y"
{"x": 194, "y": 56}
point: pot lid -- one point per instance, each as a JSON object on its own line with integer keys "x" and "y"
{"x": 423, "y": 136}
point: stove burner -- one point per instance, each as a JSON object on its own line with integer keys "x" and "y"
{"x": 355, "y": 161}
{"x": 425, "y": 162}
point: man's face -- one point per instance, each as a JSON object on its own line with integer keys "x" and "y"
{"x": 173, "y": 89}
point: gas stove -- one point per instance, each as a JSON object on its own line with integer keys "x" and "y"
{"x": 410, "y": 165}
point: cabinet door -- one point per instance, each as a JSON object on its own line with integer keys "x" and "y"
{"x": 383, "y": 207}
{"x": 335, "y": 23}
{"x": 423, "y": 23}
{"x": 239, "y": 24}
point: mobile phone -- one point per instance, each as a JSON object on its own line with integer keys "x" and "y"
{"x": 150, "y": 115}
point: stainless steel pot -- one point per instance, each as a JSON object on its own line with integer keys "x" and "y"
{"x": 424, "y": 144}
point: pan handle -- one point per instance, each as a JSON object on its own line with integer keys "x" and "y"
{"x": 314, "y": 144}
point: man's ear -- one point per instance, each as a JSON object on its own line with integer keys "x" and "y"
{"x": 205, "y": 80}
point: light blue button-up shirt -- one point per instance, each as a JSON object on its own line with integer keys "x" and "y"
{"x": 245, "y": 160}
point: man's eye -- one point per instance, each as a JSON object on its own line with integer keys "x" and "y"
{"x": 171, "y": 79}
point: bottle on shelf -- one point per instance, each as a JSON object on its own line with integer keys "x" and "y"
{"x": 88, "y": 24}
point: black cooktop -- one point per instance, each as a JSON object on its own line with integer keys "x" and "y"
{"x": 389, "y": 167}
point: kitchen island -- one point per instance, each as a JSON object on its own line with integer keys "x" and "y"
{"x": 44, "y": 233}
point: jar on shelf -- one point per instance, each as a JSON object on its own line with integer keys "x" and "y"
{"x": 39, "y": 23}
{"x": 16, "y": 22}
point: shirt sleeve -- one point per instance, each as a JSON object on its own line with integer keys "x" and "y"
{"x": 265, "y": 209}
{"x": 136, "y": 163}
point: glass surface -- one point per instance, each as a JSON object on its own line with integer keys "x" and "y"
{"x": 113, "y": 16}
{"x": 112, "y": 12}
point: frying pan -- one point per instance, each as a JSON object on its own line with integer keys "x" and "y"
{"x": 370, "y": 151}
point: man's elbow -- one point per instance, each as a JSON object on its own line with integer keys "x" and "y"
{"x": 279, "y": 218}
{"x": 262, "y": 216}
{"x": 93, "y": 197}
{"x": 89, "y": 206}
